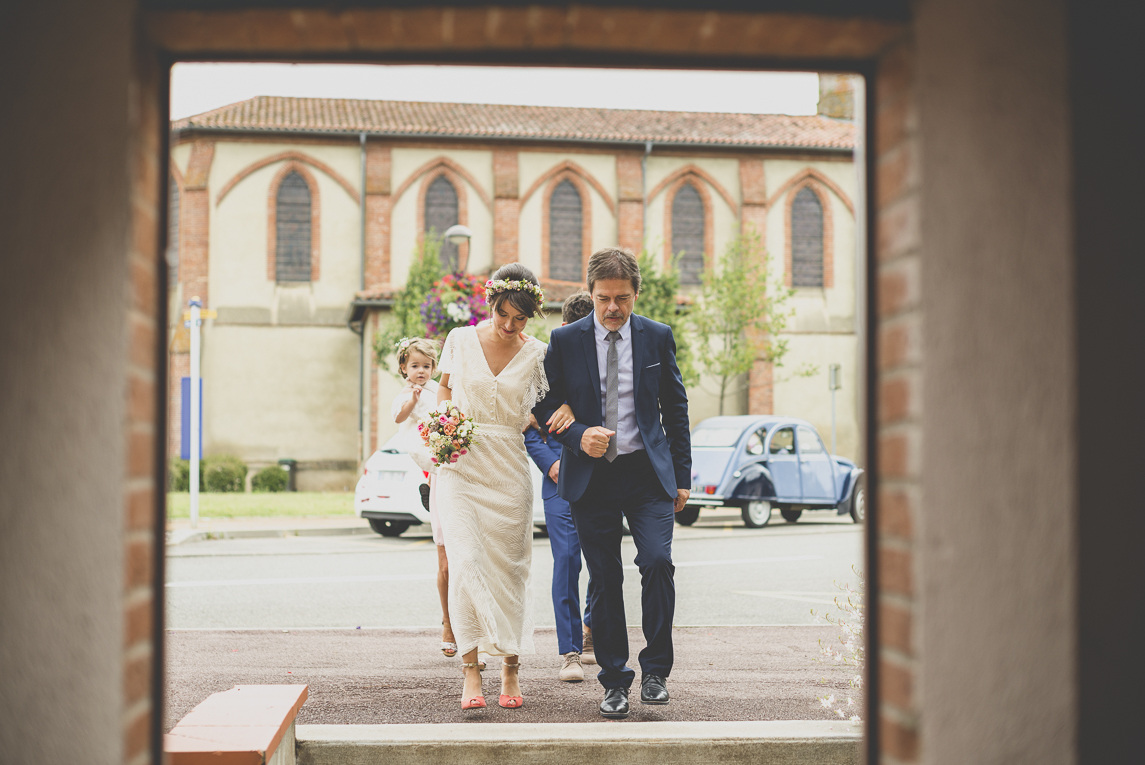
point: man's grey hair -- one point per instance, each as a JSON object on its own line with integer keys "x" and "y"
{"x": 613, "y": 263}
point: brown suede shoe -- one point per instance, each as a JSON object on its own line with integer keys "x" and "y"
{"x": 587, "y": 654}
{"x": 571, "y": 671}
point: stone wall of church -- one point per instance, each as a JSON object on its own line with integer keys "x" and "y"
{"x": 280, "y": 365}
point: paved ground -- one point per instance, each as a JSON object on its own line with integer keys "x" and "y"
{"x": 353, "y": 617}
{"x": 726, "y": 574}
{"x": 398, "y": 676}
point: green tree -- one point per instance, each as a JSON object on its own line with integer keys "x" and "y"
{"x": 740, "y": 313}
{"x": 659, "y": 301}
{"x": 405, "y": 318}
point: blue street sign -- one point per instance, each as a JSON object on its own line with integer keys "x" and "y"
{"x": 185, "y": 418}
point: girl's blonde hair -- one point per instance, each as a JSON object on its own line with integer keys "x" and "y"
{"x": 422, "y": 345}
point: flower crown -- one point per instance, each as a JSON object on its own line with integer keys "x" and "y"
{"x": 493, "y": 286}
{"x": 402, "y": 344}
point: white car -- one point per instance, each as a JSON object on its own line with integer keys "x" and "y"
{"x": 387, "y": 493}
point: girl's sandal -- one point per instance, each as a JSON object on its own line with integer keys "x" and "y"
{"x": 449, "y": 649}
{"x": 477, "y": 702}
{"x": 511, "y": 702}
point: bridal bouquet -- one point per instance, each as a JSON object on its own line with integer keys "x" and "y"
{"x": 448, "y": 433}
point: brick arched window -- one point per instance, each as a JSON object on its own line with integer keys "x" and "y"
{"x": 441, "y": 212}
{"x": 688, "y": 233}
{"x": 566, "y": 222}
{"x": 173, "y": 232}
{"x": 806, "y": 239}
{"x": 292, "y": 229}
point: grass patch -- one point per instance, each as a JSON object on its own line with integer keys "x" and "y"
{"x": 294, "y": 504}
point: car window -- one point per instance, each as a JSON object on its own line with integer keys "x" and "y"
{"x": 783, "y": 441}
{"x": 715, "y": 436}
{"x": 809, "y": 442}
{"x": 755, "y": 442}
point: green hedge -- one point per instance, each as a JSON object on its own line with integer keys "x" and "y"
{"x": 272, "y": 478}
{"x": 223, "y": 472}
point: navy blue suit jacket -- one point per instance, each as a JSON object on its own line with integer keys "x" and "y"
{"x": 544, "y": 454}
{"x": 661, "y": 401}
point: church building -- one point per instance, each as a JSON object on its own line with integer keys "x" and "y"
{"x": 296, "y": 219}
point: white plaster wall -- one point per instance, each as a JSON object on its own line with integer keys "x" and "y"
{"x": 725, "y": 219}
{"x": 809, "y": 397}
{"x": 996, "y": 554}
{"x": 66, "y": 234}
{"x": 232, "y": 157}
{"x": 180, "y": 156}
{"x": 238, "y": 229}
{"x": 271, "y": 392}
{"x": 404, "y": 214}
{"x": 531, "y": 165}
{"x": 531, "y": 226}
{"x": 817, "y": 307}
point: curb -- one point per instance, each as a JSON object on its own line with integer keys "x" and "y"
{"x": 182, "y": 536}
{"x": 790, "y": 742}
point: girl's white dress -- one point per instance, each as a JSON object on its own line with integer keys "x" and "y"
{"x": 486, "y": 498}
{"x": 407, "y": 429}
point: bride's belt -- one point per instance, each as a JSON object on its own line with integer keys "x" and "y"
{"x": 501, "y": 430}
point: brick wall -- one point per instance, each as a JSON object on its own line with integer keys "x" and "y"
{"x": 143, "y": 426}
{"x": 194, "y": 222}
{"x": 898, "y": 252}
{"x": 506, "y": 206}
{"x": 630, "y": 216}
{"x": 379, "y": 203}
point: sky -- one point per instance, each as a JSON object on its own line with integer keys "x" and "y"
{"x": 196, "y": 88}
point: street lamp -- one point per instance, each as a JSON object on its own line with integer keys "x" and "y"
{"x": 457, "y": 234}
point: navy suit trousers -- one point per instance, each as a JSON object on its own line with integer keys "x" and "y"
{"x": 566, "y": 576}
{"x": 628, "y": 486}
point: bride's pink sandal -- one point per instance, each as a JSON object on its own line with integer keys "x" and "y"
{"x": 511, "y": 702}
{"x": 477, "y": 702}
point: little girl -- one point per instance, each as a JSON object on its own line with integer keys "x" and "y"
{"x": 417, "y": 361}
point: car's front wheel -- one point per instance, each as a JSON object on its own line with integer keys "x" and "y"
{"x": 688, "y": 515}
{"x": 388, "y": 528}
{"x": 789, "y": 515}
{"x": 756, "y": 514}
{"x": 859, "y": 505}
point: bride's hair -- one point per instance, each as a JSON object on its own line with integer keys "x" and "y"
{"x": 524, "y": 301}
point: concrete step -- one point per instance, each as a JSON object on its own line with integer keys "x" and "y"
{"x": 781, "y": 742}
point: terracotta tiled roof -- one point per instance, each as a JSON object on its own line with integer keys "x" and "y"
{"x": 412, "y": 118}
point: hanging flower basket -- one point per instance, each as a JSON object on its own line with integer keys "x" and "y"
{"x": 456, "y": 300}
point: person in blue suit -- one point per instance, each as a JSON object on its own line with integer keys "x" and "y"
{"x": 627, "y": 455}
{"x": 574, "y": 645}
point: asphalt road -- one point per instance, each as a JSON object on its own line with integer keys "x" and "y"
{"x": 726, "y": 574}
{"x": 355, "y": 617}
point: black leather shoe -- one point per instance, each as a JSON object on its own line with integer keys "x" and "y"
{"x": 653, "y": 690}
{"x": 615, "y": 704}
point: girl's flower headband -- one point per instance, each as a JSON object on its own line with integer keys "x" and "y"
{"x": 492, "y": 287}
{"x": 403, "y": 344}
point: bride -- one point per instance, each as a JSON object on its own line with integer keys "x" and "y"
{"x": 495, "y": 374}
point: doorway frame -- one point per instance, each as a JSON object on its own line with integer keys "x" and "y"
{"x": 877, "y": 49}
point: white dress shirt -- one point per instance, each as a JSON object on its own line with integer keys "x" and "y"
{"x": 628, "y": 438}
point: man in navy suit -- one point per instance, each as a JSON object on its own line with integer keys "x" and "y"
{"x": 628, "y": 453}
{"x": 574, "y": 645}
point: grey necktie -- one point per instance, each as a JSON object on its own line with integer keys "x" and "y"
{"x": 612, "y": 393}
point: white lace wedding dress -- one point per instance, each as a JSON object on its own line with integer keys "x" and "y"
{"x": 485, "y": 499}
